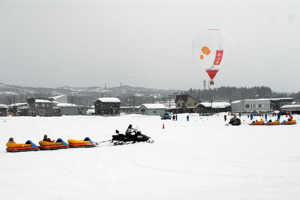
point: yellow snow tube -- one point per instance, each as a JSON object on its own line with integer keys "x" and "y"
{"x": 12, "y": 145}
{"x": 45, "y": 143}
{"x": 72, "y": 141}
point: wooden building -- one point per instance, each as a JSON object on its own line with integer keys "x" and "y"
{"x": 3, "y": 110}
{"x": 185, "y": 103}
{"x": 152, "y": 109}
{"x": 107, "y": 106}
{"x": 42, "y": 107}
{"x": 212, "y": 107}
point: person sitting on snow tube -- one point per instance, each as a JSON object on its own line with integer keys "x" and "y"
{"x": 11, "y": 140}
{"x": 235, "y": 121}
{"x": 46, "y": 139}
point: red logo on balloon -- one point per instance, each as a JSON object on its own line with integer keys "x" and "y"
{"x": 219, "y": 56}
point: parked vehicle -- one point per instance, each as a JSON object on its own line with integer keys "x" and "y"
{"x": 166, "y": 115}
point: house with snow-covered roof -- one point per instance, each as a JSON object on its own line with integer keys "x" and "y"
{"x": 42, "y": 107}
{"x": 107, "y": 106}
{"x": 3, "y": 110}
{"x": 212, "y": 107}
{"x": 294, "y": 108}
{"x": 185, "y": 103}
{"x": 152, "y": 109}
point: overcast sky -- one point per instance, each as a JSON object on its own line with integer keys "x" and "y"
{"x": 52, "y": 43}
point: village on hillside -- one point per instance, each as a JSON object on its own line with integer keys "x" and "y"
{"x": 111, "y": 106}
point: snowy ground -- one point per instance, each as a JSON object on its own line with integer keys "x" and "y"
{"x": 199, "y": 159}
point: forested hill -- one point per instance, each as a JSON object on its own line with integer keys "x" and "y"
{"x": 232, "y": 93}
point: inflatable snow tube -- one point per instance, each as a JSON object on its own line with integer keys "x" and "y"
{"x": 273, "y": 123}
{"x": 17, "y": 147}
{"x": 258, "y": 123}
{"x": 87, "y": 142}
{"x": 288, "y": 122}
{"x": 59, "y": 144}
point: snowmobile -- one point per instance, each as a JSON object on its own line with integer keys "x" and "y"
{"x": 120, "y": 139}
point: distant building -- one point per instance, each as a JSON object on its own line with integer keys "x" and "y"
{"x": 17, "y": 109}
{"x": 72, "y": 109}
{"x": 294, "y": 109}
{"x": 277, "y": 103}
{"x": 259, "y": 105}
{"x": 59, "y": 99}
{"x": 212, "y": 107}
{"x": 152, "y": 109}
{"x": 129, "y": 109}
{"x": 42, "y": 107}
{"x": 186, "y": 103}
{"x": 107, "y": 106}
{"x": 3, "y": 110}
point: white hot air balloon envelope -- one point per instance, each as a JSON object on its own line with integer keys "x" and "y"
{"x": 212, "y": 48}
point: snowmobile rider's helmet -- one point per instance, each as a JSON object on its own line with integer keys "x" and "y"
{"x": 11, "y": 139}
{"x": 130, "y": 126}
{"x": 45, "y": 136}
{"x": 117, "y": 131}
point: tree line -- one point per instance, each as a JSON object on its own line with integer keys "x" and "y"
{"x": 230, "y": 94}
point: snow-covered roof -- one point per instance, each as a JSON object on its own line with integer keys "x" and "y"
{"x": 215, "y": 104}
{"x": 57, "y": 97}
{"x": 66, "y": 105}
{"x": 42, "y": 101}
{"x": 18, "y": 104}
{"x": 3, "y": 106}
{"x": 238, "y": 101}
{"x": 109, "y": 99}
{"x": 154, "y": 106}
{"x": 290, "y": 106}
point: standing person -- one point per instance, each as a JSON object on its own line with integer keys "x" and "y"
{"x": 176, "y": 117}
{"x": 278, "y": 116}
{"x": 251, "y": 116}
{"x": 173, "y": 117}
{"x": 240, "y": 115}
{"x": 225, "y": 117}
{"x": 291, "y": 117}
{"x": 187, "y": 117}
{"x": 266, "y": 117}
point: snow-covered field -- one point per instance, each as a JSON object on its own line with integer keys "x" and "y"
{"x": 197, "y": 159}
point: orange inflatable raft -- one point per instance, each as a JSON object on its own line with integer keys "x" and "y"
{"x": 87, "y": 142}
{"x": 272, "y": 123}
{"x": 292, "y": 122}
{"x": 257, "y": 123}
{"x": 59, "y": 144}
{"x": 17, "y": 147}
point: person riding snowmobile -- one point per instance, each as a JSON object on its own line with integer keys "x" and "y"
{"x": 129, "y": 130}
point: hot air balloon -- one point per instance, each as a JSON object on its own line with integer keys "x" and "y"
{"x": 212, "y": 48}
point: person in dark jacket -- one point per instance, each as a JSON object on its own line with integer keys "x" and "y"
{"x": 11, "y": 140}
{"x": 278, "y": 117}
{"x": 129, "y": 130}
{"x": 46, "y": 139}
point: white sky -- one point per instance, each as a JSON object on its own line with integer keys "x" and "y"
{"x": 53, "y": 43}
